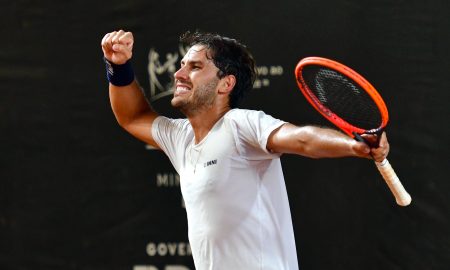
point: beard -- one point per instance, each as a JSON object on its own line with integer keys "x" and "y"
{"x": 202, "y": 98}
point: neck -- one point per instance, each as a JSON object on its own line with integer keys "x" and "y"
{"x": 203, "y": 121}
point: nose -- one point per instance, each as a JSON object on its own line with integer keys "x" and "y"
{"x": 181, "y": 74}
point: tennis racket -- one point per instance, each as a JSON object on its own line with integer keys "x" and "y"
{"x": 351, "y": 103}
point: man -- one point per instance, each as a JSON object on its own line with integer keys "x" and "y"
{"x": 228, "y": 159}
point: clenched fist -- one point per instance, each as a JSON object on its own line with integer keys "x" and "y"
{"x": 117, "y": 46}
{"x": 372, "y": 148}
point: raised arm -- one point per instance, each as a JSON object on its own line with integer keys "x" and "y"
{"x": 316, "y": 142}
{"x": 128, "y": 103}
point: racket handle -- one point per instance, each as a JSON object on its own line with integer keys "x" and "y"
{"x": 401, "y": 195}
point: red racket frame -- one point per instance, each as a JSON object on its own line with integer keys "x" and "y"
{"x": 325, "y": 111}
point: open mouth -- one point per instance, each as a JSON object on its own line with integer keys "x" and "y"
{"x": 181, "y": 89}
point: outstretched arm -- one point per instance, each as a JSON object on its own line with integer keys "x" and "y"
{"x": 128, "y": 103}
{"x": 317, "y": 142}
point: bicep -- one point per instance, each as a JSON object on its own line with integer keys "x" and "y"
{"x": 132, "y": 111}
{"x": 288, "y": 138}
{"x": 141, "y": 127}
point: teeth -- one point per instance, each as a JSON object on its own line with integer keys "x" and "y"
{"x": 181, "y": 89}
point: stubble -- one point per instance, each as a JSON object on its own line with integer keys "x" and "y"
{"x": 202, "y": 99}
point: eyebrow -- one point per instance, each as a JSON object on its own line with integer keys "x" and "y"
{"x": 192, "y": 62}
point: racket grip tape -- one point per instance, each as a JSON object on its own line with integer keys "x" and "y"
{"x": 401, "y": 195}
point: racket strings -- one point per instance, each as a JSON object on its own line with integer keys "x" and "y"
{"x": 342, "y": 96}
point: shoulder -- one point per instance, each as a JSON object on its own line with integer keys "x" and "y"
{"x": 168, "y": 127}
{"x": 240, "y": 114}
{"x": 245, "y": 116}
{"x": 252, "y": 124}
{"x": 252, "y": 129}
{"x": 163, "y": 121}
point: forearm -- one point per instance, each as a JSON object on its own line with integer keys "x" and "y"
{"x": 319, "y": 142}
{"x": 315, "y": 142}
{"x": 128, "y": 102}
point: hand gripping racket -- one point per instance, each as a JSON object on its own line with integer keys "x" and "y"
{"x": 351, "y": 103}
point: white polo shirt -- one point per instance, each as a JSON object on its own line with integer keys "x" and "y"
{"x": 234, "y": 191}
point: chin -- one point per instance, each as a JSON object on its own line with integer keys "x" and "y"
{"x": 176, "y": 102}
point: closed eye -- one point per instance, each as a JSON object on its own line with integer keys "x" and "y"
{"x": 193, "y": 65}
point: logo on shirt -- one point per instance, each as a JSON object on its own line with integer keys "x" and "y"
{"x": 209, "y": 163}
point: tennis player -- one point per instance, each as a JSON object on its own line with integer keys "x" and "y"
{"x": 228, "y": 159}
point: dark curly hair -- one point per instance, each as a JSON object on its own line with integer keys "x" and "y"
{"x": 231, "y": 58}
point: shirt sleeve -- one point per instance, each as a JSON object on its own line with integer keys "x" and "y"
{"x": 171, "y": 135}
{"x": 252, "y": 130}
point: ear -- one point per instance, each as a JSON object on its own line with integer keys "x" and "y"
{"x": 227, "y": 84}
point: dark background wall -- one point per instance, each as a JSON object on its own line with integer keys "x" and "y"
{"x": 77, "y": 192}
